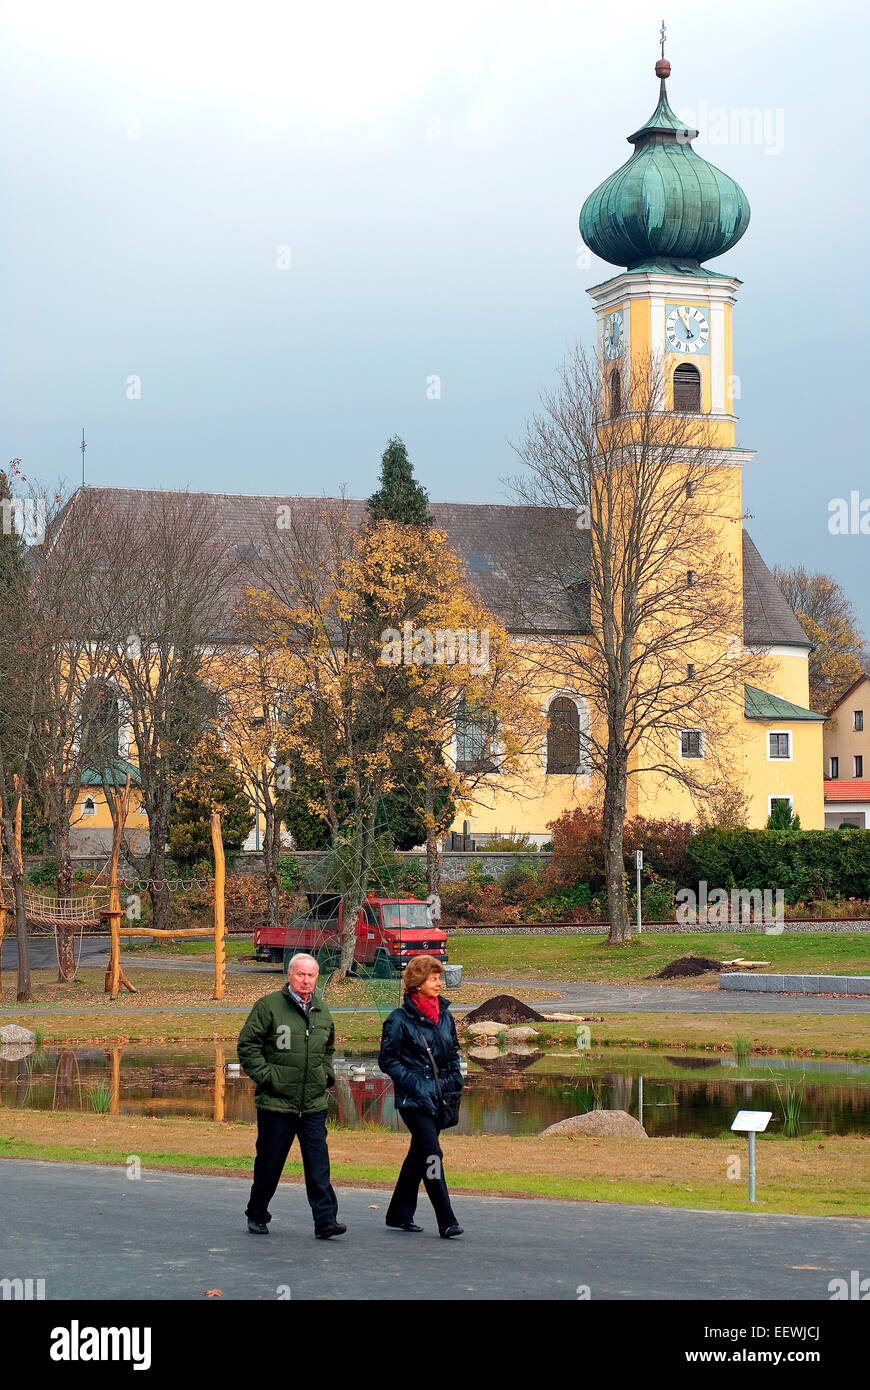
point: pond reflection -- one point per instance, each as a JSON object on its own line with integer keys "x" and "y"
{"x": 505, "y": 1094}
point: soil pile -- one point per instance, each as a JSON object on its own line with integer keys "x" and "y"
{"x": 503, "y": 1008}
{"x": 686, "y": 966}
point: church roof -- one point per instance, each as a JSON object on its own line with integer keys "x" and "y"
{"x": 767, "y": 619}
{"x": 760, "y": 704}
{"x": 498, "y": 544}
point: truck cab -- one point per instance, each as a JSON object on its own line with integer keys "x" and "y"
{"x": 389, "y": 931}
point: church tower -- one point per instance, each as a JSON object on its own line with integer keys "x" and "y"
{"x": 661, "y": 215}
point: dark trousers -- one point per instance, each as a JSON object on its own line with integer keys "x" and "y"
{"x": 275, "y": 1134}
{"x": 424, "y": 1163}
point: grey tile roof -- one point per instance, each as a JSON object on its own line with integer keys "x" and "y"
{"x": 767, "y": 619}
{"x": 500, "y": 544}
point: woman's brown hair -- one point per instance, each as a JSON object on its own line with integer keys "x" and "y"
{"x": 418, "y": 969}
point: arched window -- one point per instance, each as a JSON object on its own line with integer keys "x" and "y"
{"x": 89, "y": 807}
{"x": 563, "y": 736}
{"x": 100, "y": 715}
{"x": 615, "y": 393}
{"x": 475, "y": 740}
{"x": 687, "y": 389}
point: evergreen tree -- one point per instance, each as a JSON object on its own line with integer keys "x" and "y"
{"x": 210, "y": 783}
{"x": 400, "y": 497}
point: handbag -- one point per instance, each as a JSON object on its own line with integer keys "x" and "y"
{"x": 448, "y": 1108}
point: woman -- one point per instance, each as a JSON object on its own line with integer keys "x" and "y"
{"x": 420, "y": 1053}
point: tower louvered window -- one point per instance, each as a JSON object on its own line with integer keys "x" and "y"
{"x": 687, "y": 389}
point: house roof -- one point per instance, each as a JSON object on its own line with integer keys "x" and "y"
{"x": 760, "y": 704}
{"x": 854, "y": 790}
{"x": 767, "y": 619}
{"x": 852, "y": 688}
{"x": 498, "y": 544}
{"x": 114, "y": 776}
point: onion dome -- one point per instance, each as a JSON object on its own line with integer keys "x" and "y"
{"x": 666, "y": 209}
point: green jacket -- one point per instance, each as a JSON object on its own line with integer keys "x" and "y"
{"x": 288, "y": 1055}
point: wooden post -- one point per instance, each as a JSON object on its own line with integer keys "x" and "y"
{"x": 115, "y": 1081}
{"x": 220, "y": 1081}
{"x": 115, "y": 976}
{"x": 220, "y": 875}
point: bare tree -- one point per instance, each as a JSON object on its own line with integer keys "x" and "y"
{"x": 638, "y": 528}
{"x": 164, "y": 591}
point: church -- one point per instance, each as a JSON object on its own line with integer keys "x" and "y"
{"x": 658, "y": 219}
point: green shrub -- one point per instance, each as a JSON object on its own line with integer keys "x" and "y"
{"x": 808, "y": 865}
{"x": 46, "y": 872}
{"x": 290, "y": 876}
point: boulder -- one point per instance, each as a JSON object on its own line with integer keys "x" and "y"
{"x": 521, "y": 1034}
{"x": 487, "y": 1030}
{"x": 483, "y": 1054}
{"x": 522, "y": 1050}
{"x": 599, "y": 1122}
{"x": 13, "y": 1052}
{"x": 15, "y": 1035}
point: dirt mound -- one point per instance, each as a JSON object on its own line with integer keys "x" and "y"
{"x": 686, "y": 966}
{"x": 503, "y": 1008}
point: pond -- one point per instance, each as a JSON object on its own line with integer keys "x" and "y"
{"x": 682, "y": 1094}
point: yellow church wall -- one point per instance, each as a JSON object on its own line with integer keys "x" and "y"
{"x": 800, "y": 777}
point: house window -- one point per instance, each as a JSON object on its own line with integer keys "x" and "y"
{"x": 691, "y": 743}
{"x": 690, "y": 578}
{"x": 475, "y": 740}
{"x": 858, "y": 721}
{"x": 615, "y": 393}
{"x": 89, "y": 807}
{"x": 687, "y": 389}
{"x": 563, "y": 736}
{"x": 690, "y": 670}
{"x": 835, "y": 768}
{"x": 779, "y": 745}
{"x": 859, "y": 765}
{"x": 690, "y": 488}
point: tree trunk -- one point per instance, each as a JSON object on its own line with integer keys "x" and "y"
{"x": 158, "y": 888}
{"x": 354, "y": 900}
{"x": 433, "y": 844}
{"x": 24, "y": 984}
{"x": 271, "y": 850}
{"x": 614, "y": 861}
{"x": 66, "y": 948}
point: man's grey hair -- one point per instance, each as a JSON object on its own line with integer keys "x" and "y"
{"x": 298, "y": 959}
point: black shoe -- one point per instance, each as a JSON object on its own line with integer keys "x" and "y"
{"x": 403, "y": 1226}
{"x": 450, "y": 1231}
{"x": 258, "y": 1228}
{"x": 327, "y": 1232}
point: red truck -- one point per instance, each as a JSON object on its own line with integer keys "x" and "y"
{"x": 388, "y": 933}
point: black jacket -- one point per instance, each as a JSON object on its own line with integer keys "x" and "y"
{"x": 403, "y": 1056}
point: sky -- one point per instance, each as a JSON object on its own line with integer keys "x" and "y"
{"x": 244, "y": 245}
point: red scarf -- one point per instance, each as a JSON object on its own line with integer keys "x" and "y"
{"x": 428, "y": 1007}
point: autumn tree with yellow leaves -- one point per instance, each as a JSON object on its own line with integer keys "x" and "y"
{"x": 386, "y": 648}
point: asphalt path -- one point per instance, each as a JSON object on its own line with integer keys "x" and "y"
{"x": 574, "y": 996}
{"x": 92, "y": 1233}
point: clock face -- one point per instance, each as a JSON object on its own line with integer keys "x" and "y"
{"x": 613, "y": 336}
{"x": 686, "y": 328}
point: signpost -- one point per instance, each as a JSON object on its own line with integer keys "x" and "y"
{"x": 751, "y": 1122}
{"x": 638, "y": 860}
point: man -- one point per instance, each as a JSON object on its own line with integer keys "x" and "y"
{"x": 286, "y": 1046}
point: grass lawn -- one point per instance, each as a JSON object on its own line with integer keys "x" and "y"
{"x": 817, "y": 1175}
{"x": 589, "y": 958}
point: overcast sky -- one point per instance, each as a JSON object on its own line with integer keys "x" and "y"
{"x": 284, "y": 220}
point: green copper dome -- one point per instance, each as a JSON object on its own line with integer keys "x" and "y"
{"x": 666, "y": 208}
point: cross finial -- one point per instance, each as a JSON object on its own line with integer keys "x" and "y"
{"x": 663, "y": 33}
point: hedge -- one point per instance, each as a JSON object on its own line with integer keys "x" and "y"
{"x": 807, "y": 865}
